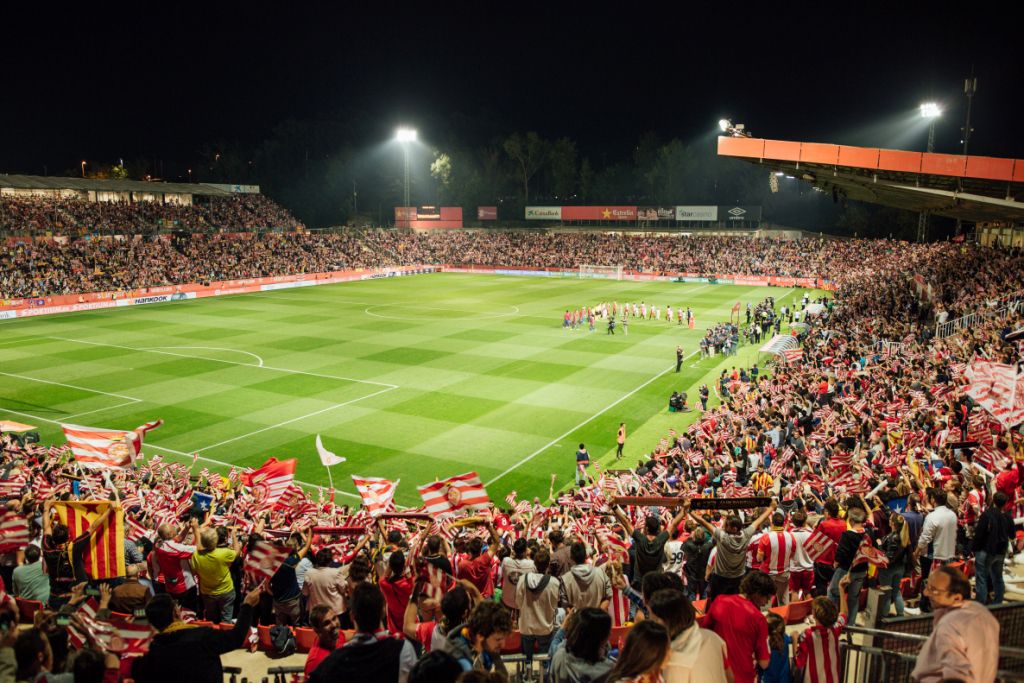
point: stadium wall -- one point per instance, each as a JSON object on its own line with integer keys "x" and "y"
{"x": 71, "y": 303}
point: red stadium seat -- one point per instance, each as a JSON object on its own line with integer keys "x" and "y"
{"x": 305, "y": 638}
{"x": 513, "y": 644}
{"x": 264, "y": 635}
{"x": 782, "y": 611}
{"x": 27, "y": 609}
{"x": 799, "y": 610}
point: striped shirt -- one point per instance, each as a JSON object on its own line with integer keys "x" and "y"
{"x": 818, "y": 652}
{"x": 776, "y": 549}
{"x": 800, "y": 561}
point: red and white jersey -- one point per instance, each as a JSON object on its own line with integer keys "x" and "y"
{"x": 755, "y": 543}
{"x": 818, "y": 652}
{"x": 673, "y": 561}
{"x": 776, "y": 548}
{"x": 618, "y": 607}
{"x": 972, "y": 506}
{"x": 800, "y": 561}
{"x": 170, "y": 564}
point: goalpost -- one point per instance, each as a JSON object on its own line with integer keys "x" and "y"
{"x": 601, "y": 272}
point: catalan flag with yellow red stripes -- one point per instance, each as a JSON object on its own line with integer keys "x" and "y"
{"x": 104, "y": 558}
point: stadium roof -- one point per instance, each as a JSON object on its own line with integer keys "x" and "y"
{"x": 38, "y": 182}
{"x": 971, "y": 188}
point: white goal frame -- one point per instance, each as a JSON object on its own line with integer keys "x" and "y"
{"x": 587, "y": 271}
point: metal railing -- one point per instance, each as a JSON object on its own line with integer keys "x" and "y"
{"x": 871, "y": 655}
{"x": 1008, "y": 304}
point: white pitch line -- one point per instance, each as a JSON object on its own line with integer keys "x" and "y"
{"x": 228, "y": 362}
{"x": 209, "y": 348}
{"x": 100, "y": 410}
{"x": 69, "y": 386}
{"x": 604, "y": 410}
{"x": 294, "y": 419}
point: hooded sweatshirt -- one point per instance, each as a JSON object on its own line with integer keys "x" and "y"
{"x": 537, "y": 600}
{"x": 697, "y": 655}
{"x": 568, "y": 668}
{"x": 458, "y": 646}
{"x": 585, "y": 586}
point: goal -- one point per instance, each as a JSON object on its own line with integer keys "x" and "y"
{"x": 601, "y": 272}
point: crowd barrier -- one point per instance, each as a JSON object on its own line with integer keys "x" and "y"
{"x": 71, "y": 303}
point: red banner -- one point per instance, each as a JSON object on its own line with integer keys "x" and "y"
{"x": 487, "y": 213}
{"x": 598, "y": 213}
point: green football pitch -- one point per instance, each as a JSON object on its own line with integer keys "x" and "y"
{"x": 412, "y": 378}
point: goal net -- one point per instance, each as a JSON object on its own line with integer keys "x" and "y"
{"x": 601, "y": 272}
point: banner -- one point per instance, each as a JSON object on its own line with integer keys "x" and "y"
{"x": 656, "y": 213}
{"x": 543, "y": 213}
{"x": 487, "y": 213}
{"x": 405, "y": 213}
{"x": 731, "y": 214}
{"x": 449, "y": 495}
{"x": 696, "y": 213}
{"x": 599, "y": 213}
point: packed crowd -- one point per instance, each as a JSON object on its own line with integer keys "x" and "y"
{"x": 74, "y": 217}
{"x": 881, "y": 271}
{"x": 876, "y": 468}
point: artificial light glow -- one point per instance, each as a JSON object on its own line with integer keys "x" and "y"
{"x": 724, "y": 124}
{"x": 930, "y": 110}
{"x": 405, "y": 135}
{"x": 779, "y": 174}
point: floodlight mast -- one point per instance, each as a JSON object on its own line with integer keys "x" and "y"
{"x": 405, "y": 136}
{"x": 930, "y": 111}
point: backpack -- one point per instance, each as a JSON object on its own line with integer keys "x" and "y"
{"x": 282, "y": 640}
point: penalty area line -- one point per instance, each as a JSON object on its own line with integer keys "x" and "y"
{"x": 590, "y": 419}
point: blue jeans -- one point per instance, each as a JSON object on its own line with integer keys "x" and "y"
{"x": 853, "y": 592}
{"x": 890, "y": 578}
{"x": 988, "y": 576}
{"x": 533, "y": 644}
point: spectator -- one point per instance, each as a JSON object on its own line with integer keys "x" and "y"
{"x": 964, "y": 642}
{"x": 584, "y": 585}
{"x": 992, "y": 536}
{"x": 130, "y": 595}
{"x": 818, "y": 646}
{"x": 937, "y": 544}
{"x": 477, "y": 645}
{"x": 697, "y": 654}
{"x": 738, "y": 620}
{"x": 180, "y": 652}
{"x": 212, "y": 566}
{"x": 372, "y": 655}
{"x": 30, "y": 579}
{"x": 644, "y": 655}
{"x": 170, "y": 565}
{"x": 477, "y": 569}
{"x": 731, "y": 551}
{"x": 583, "y": 655}
{"x": 537, "y": 601}
{"x": 435, "y": 667}
{"x": 846, "y": 552}
{"x": 328, "y": 636}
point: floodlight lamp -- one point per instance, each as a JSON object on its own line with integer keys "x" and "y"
{"x": 724, "y": 124}
{"x": 931, "y": 110}
{"x": 406, "y": 135}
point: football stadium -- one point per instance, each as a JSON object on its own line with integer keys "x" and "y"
{"x": 488, "y": 399}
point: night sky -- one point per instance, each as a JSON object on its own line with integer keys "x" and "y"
{"x": 159, "y": 81}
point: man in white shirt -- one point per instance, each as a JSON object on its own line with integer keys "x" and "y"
{"x": 939, "y": 531}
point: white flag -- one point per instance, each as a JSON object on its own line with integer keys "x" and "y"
{"x": 326, "y": 457}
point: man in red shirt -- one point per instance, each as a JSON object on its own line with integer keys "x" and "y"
{"x": 833, "y": 527}
{"x": 1008, "y": 481}
{"x": 738, "y": 620}
{"x": 477, "y": 568}
{"x": 397, "y": 589}
{"x": 329, "y": 636}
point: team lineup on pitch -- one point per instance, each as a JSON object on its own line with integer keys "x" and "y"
{"x": 415, "y": 378}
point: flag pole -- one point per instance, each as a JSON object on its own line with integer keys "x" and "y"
{"x": 330, "y": 479}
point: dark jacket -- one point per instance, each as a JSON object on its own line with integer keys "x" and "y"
{"x": 191, "y": 654}
{"x": 993, "y": 532}
{"x": 371, "y": 662}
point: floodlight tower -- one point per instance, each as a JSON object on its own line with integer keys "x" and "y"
{"x": 405, "y": 136}
{"x": 930, "y": 111}
{"x": 970, "y": 87}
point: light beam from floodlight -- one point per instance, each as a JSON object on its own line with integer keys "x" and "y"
{"x": 406, "y": 135}
{"x": 931, "y": 110}
{"x": 724, "y": 124}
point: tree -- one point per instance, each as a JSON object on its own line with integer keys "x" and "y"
{"x": 528, "y": 152}
{"x": 563, "y": 168}
{"x": 118, "y": 172}
{"x": 441, "y": 172}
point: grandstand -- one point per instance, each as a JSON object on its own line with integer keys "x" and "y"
{"x": 430, "y": 355}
